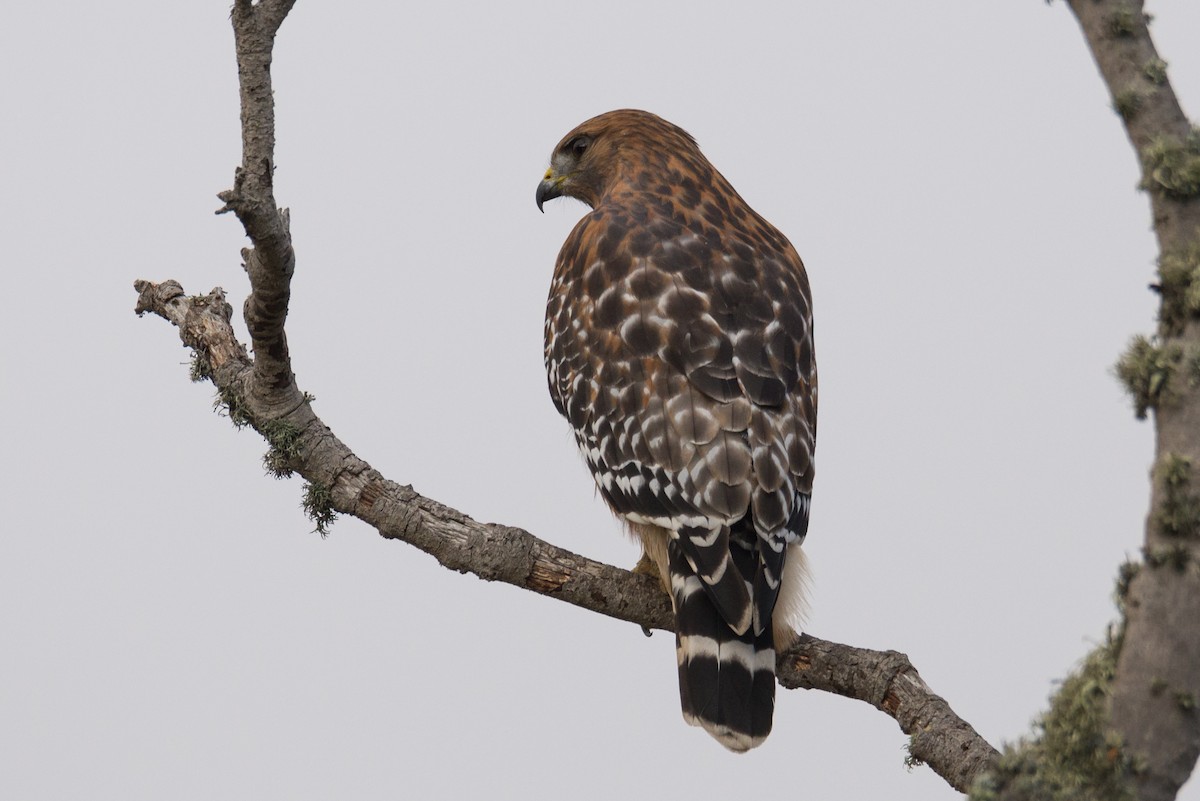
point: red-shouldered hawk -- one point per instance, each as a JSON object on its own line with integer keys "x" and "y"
{"x": 679, "y": 345}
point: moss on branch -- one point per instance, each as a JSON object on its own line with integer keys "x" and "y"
{"x": 318, "y": 505}
{"x": 1072, "y": 756}
{"x": 1145, "y": 369}
{"x": 1178, "y": 513}
{"x": 1171, "y": 165}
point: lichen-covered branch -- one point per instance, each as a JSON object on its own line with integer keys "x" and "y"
{"x": 262, "y": 393}
{"x": 1159, "y": 660}
{"x": 1118, "y": 35}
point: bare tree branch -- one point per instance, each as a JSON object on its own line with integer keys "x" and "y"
{"x": 262, "y": 393}
{"x": 1157, "y": 681}
{"x": 890, "y": 683}
{"x": 271, "y": 262}
{"x": 884, "y": 679}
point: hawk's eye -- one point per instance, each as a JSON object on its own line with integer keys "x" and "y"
{"x": 578, "y": 145}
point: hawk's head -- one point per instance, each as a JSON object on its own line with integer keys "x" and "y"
{"x": 588, "y": 160}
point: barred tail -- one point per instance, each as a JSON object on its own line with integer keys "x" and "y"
{"x": 726, "y": 679}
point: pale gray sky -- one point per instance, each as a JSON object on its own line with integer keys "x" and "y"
{"x": 963, "y": 197}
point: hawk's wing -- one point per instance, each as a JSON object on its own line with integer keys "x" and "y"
{"x": 684, "y": 362}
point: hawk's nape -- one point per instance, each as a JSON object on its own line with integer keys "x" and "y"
{"x": 679, "y": 346}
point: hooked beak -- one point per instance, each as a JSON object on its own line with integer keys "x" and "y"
{"x": 549, "y": 188}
